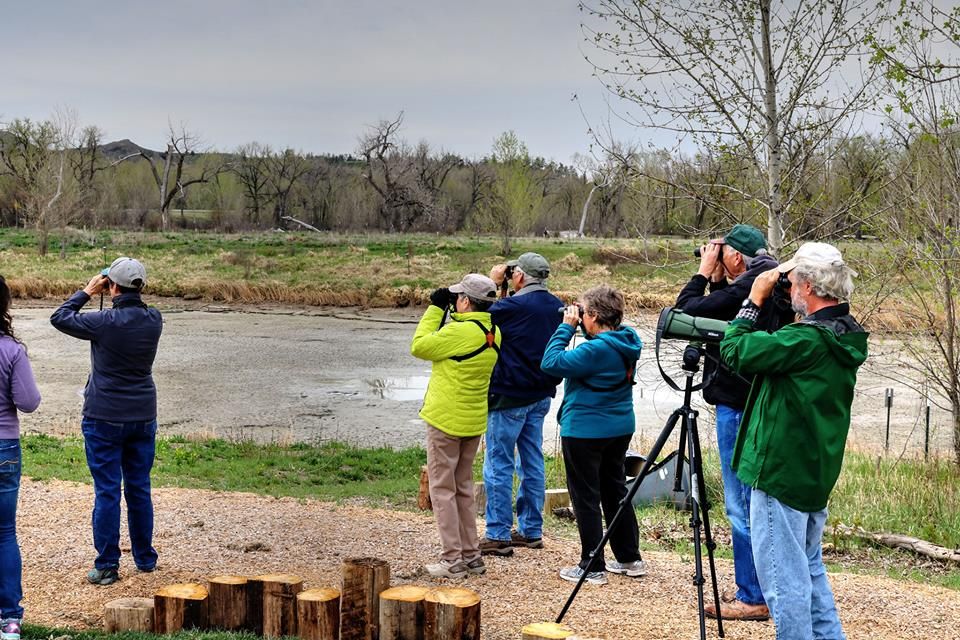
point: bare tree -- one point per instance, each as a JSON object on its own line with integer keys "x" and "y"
{"x": 177, "y": 173}
{"x": 34, "y": 155}
{"x": 252, "y": 169}
{"x": 285, "y": 169}
{"x": 756, "y": 77}
{"x": 409, "y": 182}
{"x": 920, "y": 59}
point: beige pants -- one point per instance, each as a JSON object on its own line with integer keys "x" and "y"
{"x": 450, "y": 469}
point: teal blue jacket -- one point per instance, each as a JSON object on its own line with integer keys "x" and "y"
{"x": 606, "y": 410}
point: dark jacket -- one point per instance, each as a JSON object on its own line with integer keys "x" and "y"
{"x": 795, "y": 426}
{"x": 723, "y": 303}
{"x": 527, "y": 319}
{"x": 598, "y": 393}
{"x": 123, "y": 345}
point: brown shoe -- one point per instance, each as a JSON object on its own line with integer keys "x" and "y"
{"x": 728, "y": 595}
{"x": 490, "y": 547}
{"x": 517, "y": 539}
{"x": 739, "y": 610}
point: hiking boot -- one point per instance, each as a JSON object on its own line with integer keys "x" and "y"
{"x": 739, "y": 610}
{"x": 488, "y": 547}
{"x": 445, "y": 569}
{"x": 476, "y": 567}
{"x": 572, "y": 574}
{"x": 633, "y": 569}
{"x": 103, "y": 577}
{"x": 10, "y": 629}
{"x": 149, "y": 569}
{"x": 517, "y": 539}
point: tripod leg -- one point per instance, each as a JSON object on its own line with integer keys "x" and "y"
{"x": 678, "y": 476}
{"x": 702, "y": 509}
{"x": 627, "y": 502}
{"x": 707, "y": 535}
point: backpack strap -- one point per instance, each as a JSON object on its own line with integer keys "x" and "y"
{"x": 490, "y": 342}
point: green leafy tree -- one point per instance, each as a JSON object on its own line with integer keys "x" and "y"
{"x": 515, "y": 193}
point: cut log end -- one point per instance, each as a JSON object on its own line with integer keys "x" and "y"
{"x": 187, "y": 591}
{"x": 320, "y": 594}
{"x": 280, "y": 578}
{"x": 547, "y": 631}
{"x": 405, "y": 593}
{"x": 456, "y": 596}
{"x": 228, "y": 580}
{"x": 128, "y": 614}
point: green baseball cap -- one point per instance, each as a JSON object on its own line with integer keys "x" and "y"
{"x": 746, "y": 239}
{"x": 532, "y": 264}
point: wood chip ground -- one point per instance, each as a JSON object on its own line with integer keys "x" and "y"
{"x": 202, "y": 533}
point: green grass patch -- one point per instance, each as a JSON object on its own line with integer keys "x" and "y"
{"x": 327, "y": 471}
{"x": 35, "y": 632}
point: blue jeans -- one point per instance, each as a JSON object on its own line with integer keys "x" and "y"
{"x": 11, "y": 591}
{"x": 736, "y": 501}
{"x": 121, "y": 451}
{"x": 787, "y": 547}
{"x": 518, "y": 429}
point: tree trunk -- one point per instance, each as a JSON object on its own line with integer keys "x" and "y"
{"x": 586, "y": 207}
{"x": 279, "y": 603}
{"x": 164, "y": 183}
{"x": 128, "y": 614}
{"x": 364, "y": 579}
{"x": 772, "y": 137}
{"x": 451, "y": 613}
{"x": 179, "y": 606}
{"x": 401, "y": 613}
{"x": 228, "y": 603}
{"x": 318, "y": 614}
{"x": 546, "y": 631}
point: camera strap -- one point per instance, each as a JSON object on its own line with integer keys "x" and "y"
{"x": 489, "y": 343}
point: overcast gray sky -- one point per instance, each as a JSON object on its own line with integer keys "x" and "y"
{"x": 308, "y": 75}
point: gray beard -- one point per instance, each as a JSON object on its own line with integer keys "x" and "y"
{"x": 799, "y": 306}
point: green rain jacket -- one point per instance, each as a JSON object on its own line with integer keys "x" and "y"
{"x": 794, "y": 427}
{"x": 456, "y": 398}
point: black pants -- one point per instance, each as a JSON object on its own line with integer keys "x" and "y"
{"x": 596, "y": 478}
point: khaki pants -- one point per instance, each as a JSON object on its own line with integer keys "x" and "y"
{"x": 450, "y": 469}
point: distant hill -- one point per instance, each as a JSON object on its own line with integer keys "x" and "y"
{"x": 120, "y": 148}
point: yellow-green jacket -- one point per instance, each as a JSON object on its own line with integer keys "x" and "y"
{"x": 456, "y": 398}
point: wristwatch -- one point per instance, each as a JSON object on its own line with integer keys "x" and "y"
{"x": 749, "y": 304}
{"x": 749, "y": 310}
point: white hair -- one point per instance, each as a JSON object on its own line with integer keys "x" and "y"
{"x": 828, "y": 281}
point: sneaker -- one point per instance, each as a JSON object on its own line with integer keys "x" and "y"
{"x": 517, "y": 539}
{"x": 445, "y": 569}
{"x": 572, "y": 574}
{"x": 103, "y": 577}
{"x": 477, "y": 567}
{"x": 149, "y": 569}
{"x": 10, "y": 629}
{"x": 490, "y": 547}
{"x": 633, "y": 569}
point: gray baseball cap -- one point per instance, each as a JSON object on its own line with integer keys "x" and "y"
{"x": 532, "y": 264}
{"x": 127, "y": 272}
{"x": 477, "y": 287}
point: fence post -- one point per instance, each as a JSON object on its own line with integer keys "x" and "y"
{"x": 888, "y": 398}
{"x": 926, "y": 434}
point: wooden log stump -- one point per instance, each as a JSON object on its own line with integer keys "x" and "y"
{"x": 128, "y": 614}
{"x": 364, "y": 579}
{"x": 318, "y": 614}
{"x": 547, "y": 631}
{"x": 278, "y": 603}
{"x": 179, "y": 606}
{"x": 228, "y": 603}
{"x": 423, "y": 495}
{"x": 401, "y": 613}
{"x": 451, "y": 613}
{"x": 555, "y": 498}
{"x": 480, "y": 497}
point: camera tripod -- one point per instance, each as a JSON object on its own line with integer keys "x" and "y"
{"x": 689, "y": 440}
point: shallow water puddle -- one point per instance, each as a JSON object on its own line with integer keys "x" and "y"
{"x": 400, "y": 389}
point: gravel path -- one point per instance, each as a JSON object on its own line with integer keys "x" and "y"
{"x": 201, "y": 534}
